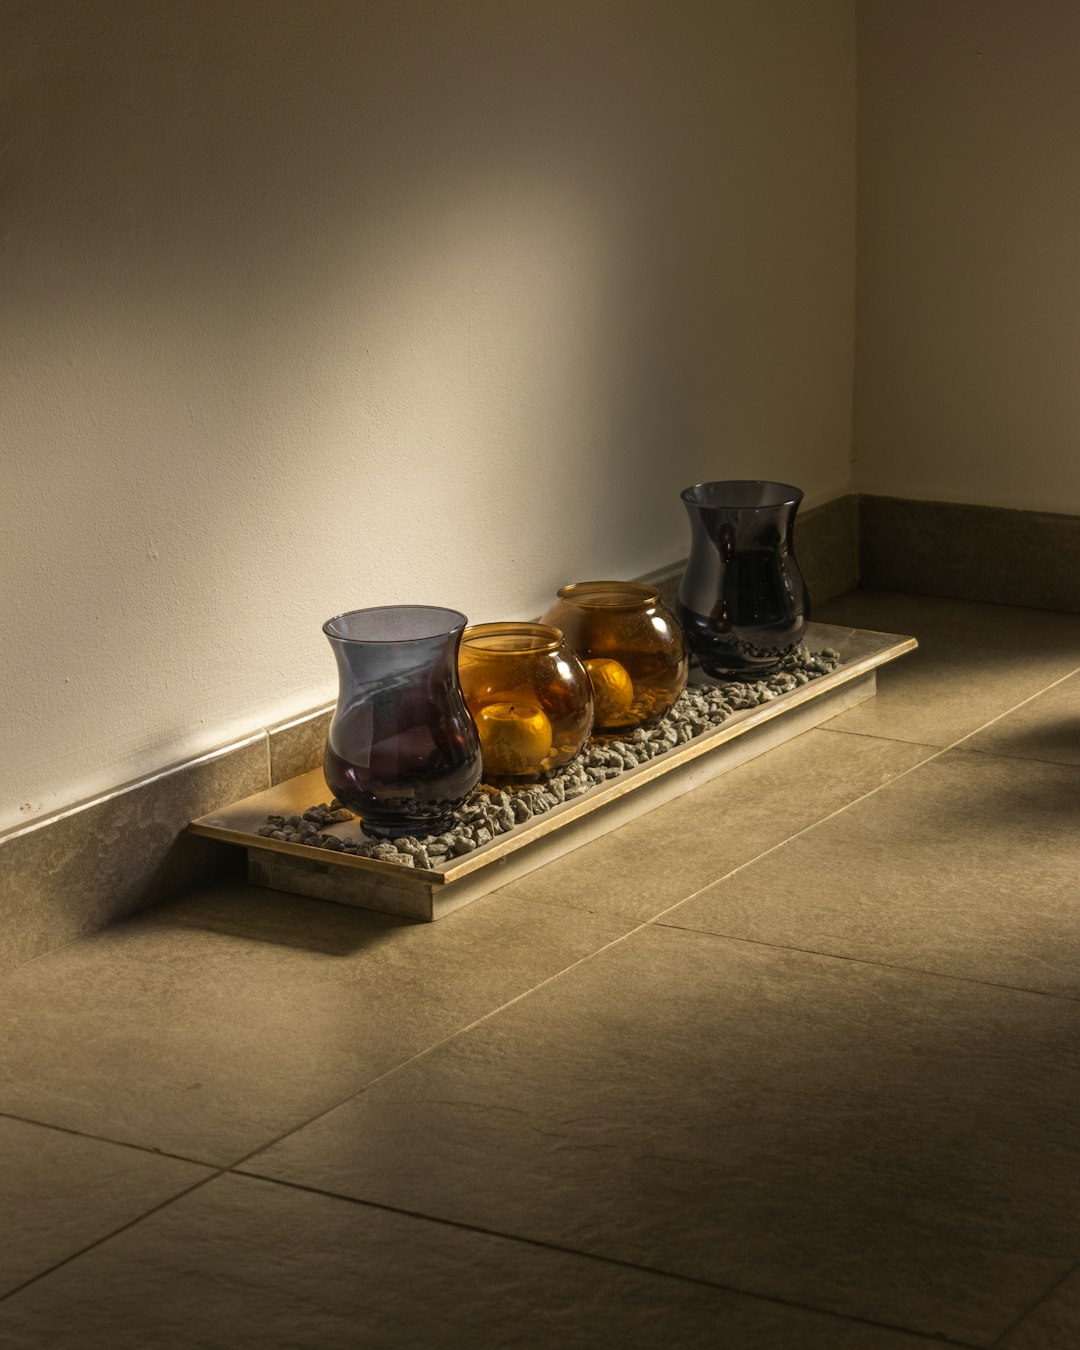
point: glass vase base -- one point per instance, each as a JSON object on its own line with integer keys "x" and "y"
{"x": 740, "y": 674}
{"x": 415, "y": 830}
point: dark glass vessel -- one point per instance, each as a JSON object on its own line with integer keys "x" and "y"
{"x": 742, "y": 601}
{"x": 403, "y": 751}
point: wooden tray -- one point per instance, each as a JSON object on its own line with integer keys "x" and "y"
{"x": 428, "y": 894}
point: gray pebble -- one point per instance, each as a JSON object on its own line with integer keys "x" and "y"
{"x": 490, "y": 812}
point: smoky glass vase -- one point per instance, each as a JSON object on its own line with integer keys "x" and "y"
{"x": 403, "y": 751}
{"x": 742, "y": 601}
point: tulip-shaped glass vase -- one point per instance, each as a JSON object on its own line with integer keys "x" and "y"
{"x": 742, "y": 600}
{"x": 403, "y": 751}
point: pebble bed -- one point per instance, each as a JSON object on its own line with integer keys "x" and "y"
{"x": 492, "y": 811}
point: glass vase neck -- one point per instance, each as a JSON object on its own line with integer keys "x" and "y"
{"x": 744, "y": 494}
{"x": 394, "y": 623}
{"x": 508, "y": 639}
{"x": 609, "y": 594}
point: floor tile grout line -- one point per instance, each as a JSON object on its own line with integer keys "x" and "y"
{"x": 419, "y": 1215}
{"x": 105, "y": 1237}
{"x": 1016, "y": 706}
{"x": 1017, "y": 759}
{"x": 999, "y": 1341}
{"x": 872, "y": 735}
{"x": 106, "y": 1139}
{"x": 856, "y": 801}
{"x": 526, "y": 993}
{"x": 653, "y": 921}
{"x": 620, "y": 1262}
{"x": 806, "y": 829}
{"x": 955, "y": 745}
{"x": 903, "y": 740}
{"x": 6, "y": 971}
{"x": 436, "y": 1045}
{"x": 865, "y": 961}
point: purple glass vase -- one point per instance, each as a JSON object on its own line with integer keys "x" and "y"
{"x": 403, "y": 751}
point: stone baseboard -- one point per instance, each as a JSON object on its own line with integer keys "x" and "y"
{"x": 76, "y": 871}
{"x": 827, "y": 547}
{"x": 986, "y": 553}
{"x": 82, "y": 868}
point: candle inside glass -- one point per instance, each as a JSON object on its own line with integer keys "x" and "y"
{"x": 515, "y": 736}
{"x": 613, "y": 690}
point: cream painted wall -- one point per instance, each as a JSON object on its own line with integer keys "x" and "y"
{"x": 968, "y": 367}
{"x": 315, "y": 304}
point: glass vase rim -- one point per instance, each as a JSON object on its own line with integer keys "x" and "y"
{"x": 548, "y": 637}
{"x": 785, "y": 494}
{"x": 585, "y": 594}
{"x": 444, "y": 630}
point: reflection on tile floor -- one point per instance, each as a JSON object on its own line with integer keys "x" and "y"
{"x": 791, "y": 1062}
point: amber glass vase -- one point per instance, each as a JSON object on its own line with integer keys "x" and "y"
{"x": 631, "y": 646}
{"x": 529, "y": 696}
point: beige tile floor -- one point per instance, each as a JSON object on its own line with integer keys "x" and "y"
{"x": 793, "y": 1063}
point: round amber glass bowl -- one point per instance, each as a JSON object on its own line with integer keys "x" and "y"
{"x": 632, "y": 647}
{"x": 529, "y": 696}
